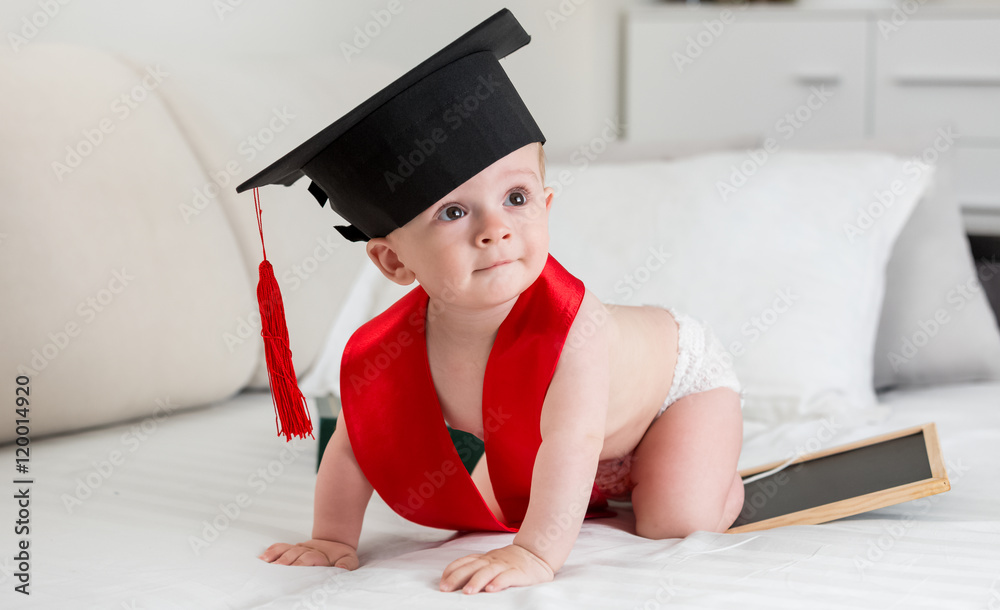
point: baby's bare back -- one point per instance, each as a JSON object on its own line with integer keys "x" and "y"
{"x": 642, "y": 345}
{"x": 642, "y": 354}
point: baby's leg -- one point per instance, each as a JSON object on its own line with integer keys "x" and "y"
{"x": 684, "y": 468}
{"x": 481, "y": 477}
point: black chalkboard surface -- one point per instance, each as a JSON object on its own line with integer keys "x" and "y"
{"x": 843, "y": 481}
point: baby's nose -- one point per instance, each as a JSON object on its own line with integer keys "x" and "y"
{"x": 493, "y": 229}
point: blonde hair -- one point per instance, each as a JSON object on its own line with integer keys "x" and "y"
{"x": 541, "y": 162}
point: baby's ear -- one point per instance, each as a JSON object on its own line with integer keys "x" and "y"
{"x": 385, "y": 258}
{"x": 549, "y": 194}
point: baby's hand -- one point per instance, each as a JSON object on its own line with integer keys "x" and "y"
{"x": 314, "y": 552}
{"x": 510, "y": 566}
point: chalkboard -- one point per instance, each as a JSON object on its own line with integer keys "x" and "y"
{"x": 845, "y": 480}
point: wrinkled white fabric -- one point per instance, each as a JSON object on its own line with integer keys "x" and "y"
{"x": 701, "y": 361}
{"x": 181, "y": 512}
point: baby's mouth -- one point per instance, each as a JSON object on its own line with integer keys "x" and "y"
{"x": 496, "y": 264}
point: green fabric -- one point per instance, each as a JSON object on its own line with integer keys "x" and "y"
{"x": 469, "y": 448}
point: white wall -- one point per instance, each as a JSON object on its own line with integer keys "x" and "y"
{"x": 568, "y": 75}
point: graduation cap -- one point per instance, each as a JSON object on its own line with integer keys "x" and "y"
{"x": 392, "y": 157}
{"x": 419, "y": 138}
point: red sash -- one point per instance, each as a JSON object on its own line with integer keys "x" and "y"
{"x": 396, "y": 427}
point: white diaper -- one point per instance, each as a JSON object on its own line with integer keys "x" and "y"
{"x": 701, "y": 366}
{"x": 702, "y": 362}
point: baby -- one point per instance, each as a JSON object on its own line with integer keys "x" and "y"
{"x": 605, "y": 413}
{"x": 577, "y": 401}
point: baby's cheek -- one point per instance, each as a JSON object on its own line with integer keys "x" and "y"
{"x": 542, "y": 240}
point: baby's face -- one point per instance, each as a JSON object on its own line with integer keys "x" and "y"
{"x": 483, "y": 243}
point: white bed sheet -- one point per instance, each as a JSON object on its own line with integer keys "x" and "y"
{"x": 128, "y": 543}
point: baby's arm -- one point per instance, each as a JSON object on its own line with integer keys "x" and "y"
{"x": 572, "y": 428}
{"x": 342, "y": 495}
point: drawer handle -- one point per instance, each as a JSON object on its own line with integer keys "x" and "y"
{"x": 981, "y": 207}
{"x": 817, "y": 78}
{"x": 947, "y": 80}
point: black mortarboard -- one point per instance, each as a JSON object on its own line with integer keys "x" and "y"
{"x": 419, "y": 138}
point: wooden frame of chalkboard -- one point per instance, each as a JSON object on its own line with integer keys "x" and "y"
{"x": 845, "y": 480}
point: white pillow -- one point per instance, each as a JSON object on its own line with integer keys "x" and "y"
{"x": 936, "y": 325}
{"x": 929, "y": 262}
{"x": 772, "y": 266}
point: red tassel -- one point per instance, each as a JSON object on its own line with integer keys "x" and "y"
{"x": 291, "y": 412}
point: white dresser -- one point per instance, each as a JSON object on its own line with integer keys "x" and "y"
{"x": 927, "y": 75}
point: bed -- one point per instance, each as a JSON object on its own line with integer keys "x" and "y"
{"x": 170, "y": 510}
{"x": 178, "y": 524}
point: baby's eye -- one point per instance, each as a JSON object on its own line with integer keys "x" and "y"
{"x": 516, "y": 198}
{"x": 452, "y": 212}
